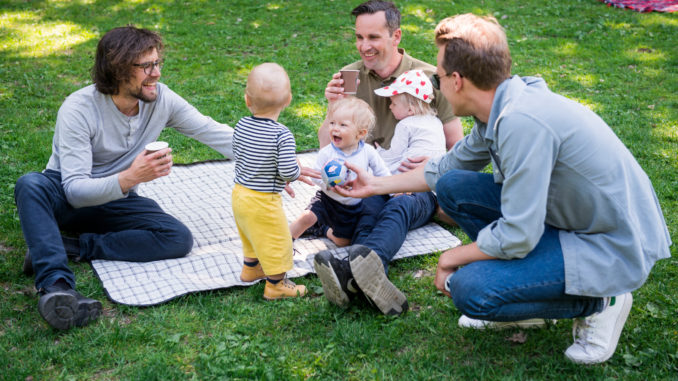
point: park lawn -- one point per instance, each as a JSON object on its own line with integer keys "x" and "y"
{"x": 621, "y": 64}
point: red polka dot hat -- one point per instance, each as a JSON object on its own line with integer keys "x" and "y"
{"x": 413, "y": 82}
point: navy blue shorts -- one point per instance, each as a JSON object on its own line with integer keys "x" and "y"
{"x": 341, "y": 218}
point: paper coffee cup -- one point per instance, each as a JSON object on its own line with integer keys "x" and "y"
{"x": 350, "y": 78}
{"x": 155, "y": 146}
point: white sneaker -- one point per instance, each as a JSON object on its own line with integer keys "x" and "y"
{"x": 596, "y": 336}
{"x": 467, "y": 322}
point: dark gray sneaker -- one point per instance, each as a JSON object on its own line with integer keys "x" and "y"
{"x": 64, "y": 308}
{"x": 369, "y": 274}
{"x": 336, "y": 278}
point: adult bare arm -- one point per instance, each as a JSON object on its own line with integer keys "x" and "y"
{"x": 365, "y": 185}
{"x": 452, "y": 259}
{"x": 306, "y": 172}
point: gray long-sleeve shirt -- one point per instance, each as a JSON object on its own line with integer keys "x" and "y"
{"x": 561, "y": 164}
{"x": 93, "y": 141}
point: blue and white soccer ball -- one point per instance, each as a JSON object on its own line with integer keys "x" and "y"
{"x": 334, "y": 173}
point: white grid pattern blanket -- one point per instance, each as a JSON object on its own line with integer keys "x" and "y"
{"x": 199, "y": 195}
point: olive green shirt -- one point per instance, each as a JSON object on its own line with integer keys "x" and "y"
{"x": 386, "y": 122}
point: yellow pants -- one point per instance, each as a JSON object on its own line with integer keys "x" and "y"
{"x": 263, "y": 228}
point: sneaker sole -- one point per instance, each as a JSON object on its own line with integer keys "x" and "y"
{"x": 499, "y": 325}
{"x": 330, "y": 282}
{"x": 63, "y": 310}
{"x": 618, "y": 327}
{"x": 369, "y": 274}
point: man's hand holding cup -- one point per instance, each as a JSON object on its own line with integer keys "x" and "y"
{"x": 343, "y": 83}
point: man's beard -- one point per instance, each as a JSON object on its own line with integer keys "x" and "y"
{"x": 139, "y": 94}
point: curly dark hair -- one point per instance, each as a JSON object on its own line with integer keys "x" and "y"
{"x": 116, "y": 53}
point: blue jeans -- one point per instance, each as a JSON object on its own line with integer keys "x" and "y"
{"x": 385, "y": 221}
{"x": 129, "y": 229}
{"x": 506, "y": 290}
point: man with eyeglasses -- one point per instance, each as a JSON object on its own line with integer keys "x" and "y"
{"x": 568, "y": 223}
{"x": 97, "y": 161}
{"x": 383, "y": 228}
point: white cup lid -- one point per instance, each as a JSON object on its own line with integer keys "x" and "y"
{"x": 156, "y": 146}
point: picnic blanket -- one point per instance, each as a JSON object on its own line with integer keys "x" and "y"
{"x": 645, "y": 5}
{"x": 199, "y": 195}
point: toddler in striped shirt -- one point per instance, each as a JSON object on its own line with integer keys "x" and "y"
{"x": 265, "y": 161}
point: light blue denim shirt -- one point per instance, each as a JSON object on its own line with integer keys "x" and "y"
{"x": 559, "y": 163}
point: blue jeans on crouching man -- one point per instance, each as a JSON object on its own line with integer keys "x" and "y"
{"x": 132, "y": 229}
{"x": 386, "y": 220}
{"x": 506, "y": 290}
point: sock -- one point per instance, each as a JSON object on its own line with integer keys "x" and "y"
{"x": 251, "y": 264}
{"x": 273, "y": 281}
{"x": 62, "y": 284}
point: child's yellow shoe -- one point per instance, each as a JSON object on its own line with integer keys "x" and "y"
{"x": 252, "y": 273}
{"x": 283, "y": 289}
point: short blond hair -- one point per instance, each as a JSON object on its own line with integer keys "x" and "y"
{"x": 476, "y": 48}
{"x": 417, "y": 105}
{"x": 362, "y": 115}
{"x": 268, "y": 88}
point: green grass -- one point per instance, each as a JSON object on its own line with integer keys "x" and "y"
{"x": 622, "y": 64}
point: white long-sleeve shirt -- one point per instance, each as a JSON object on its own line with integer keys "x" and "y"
{"x": 365, "y": 157}
{"x": 416, "y": 135}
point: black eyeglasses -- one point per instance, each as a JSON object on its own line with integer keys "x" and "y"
{"x": 149, "y": 66}
{"x": 435, "y": 80}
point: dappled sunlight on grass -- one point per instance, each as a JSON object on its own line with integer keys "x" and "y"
{"x": 622, "y": 26}
{"x": 309, "y": 109}
{"x": 667, "y": 132}
{"x": 567, "y": 48}
{"x": 593, "y": 106}
{"x": 664, "y": 20}
{"x": 586, "y": 80}
{"x": 66, "y": 3}
{"x": 5, "y": 93}
{"x": 617, "y": 63}
{"x": 132, "y": 5}
{"x": 410, "y": 28}
{"x": 418, "y": 11}
{"x": 26, "y": 35}
{"x": 644, "y": 54}
{"x": 243, "y": 72}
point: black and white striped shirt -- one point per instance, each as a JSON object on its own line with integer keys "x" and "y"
{"x": 264, "y": 152}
